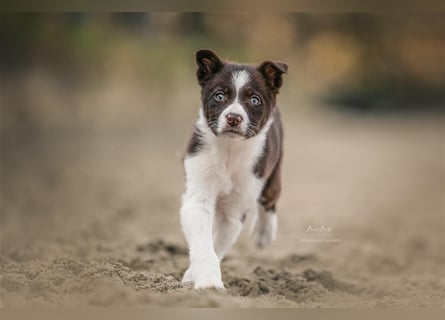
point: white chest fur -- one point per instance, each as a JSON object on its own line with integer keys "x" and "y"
{"x": 225, "y": 165}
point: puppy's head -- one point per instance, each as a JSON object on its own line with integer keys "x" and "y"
{"x": 237, "y": 99}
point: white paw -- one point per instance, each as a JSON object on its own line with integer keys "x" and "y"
{"x": 212, "y": 280}
{"x": 265, "y": 229}
{"x": 204, "y": 274}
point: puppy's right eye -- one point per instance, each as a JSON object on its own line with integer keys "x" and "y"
{"x": 219, "y": 96}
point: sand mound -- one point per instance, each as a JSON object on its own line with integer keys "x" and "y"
{"x": 153, "y": 276}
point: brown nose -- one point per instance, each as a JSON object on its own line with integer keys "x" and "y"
{"x": 234, "y": 119}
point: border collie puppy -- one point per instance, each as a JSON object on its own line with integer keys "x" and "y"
{"x": 232, "y": 163}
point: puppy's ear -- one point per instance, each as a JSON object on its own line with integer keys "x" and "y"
{"x": 208, "y": 64}
{"x": 272, "y": 73}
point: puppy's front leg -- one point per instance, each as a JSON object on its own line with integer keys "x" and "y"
{"x": 197, "y": 215}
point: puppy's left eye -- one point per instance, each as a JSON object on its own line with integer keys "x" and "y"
{"x": 219, "y": 96}
{"x": 254, "y": 100}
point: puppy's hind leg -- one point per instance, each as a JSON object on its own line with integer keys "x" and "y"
{"x": 265, "y": 226}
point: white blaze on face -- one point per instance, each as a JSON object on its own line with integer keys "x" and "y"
{"x": 239, "y": 79}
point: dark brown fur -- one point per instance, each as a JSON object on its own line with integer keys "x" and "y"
{"x": 195, "y": 143}
{"x": 269, "y": 164}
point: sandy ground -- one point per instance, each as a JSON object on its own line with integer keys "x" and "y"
{"x": 90, "y": 215}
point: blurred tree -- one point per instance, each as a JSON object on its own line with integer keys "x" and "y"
{"x": 17, "y": 38}
{"x": 193, "y": 23}
{"x": 132, "y": 21}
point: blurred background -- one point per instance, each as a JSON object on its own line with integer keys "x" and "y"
{"x": 96, "y": 111}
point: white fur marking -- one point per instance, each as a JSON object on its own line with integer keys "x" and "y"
{"x": 239, "y": 80}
